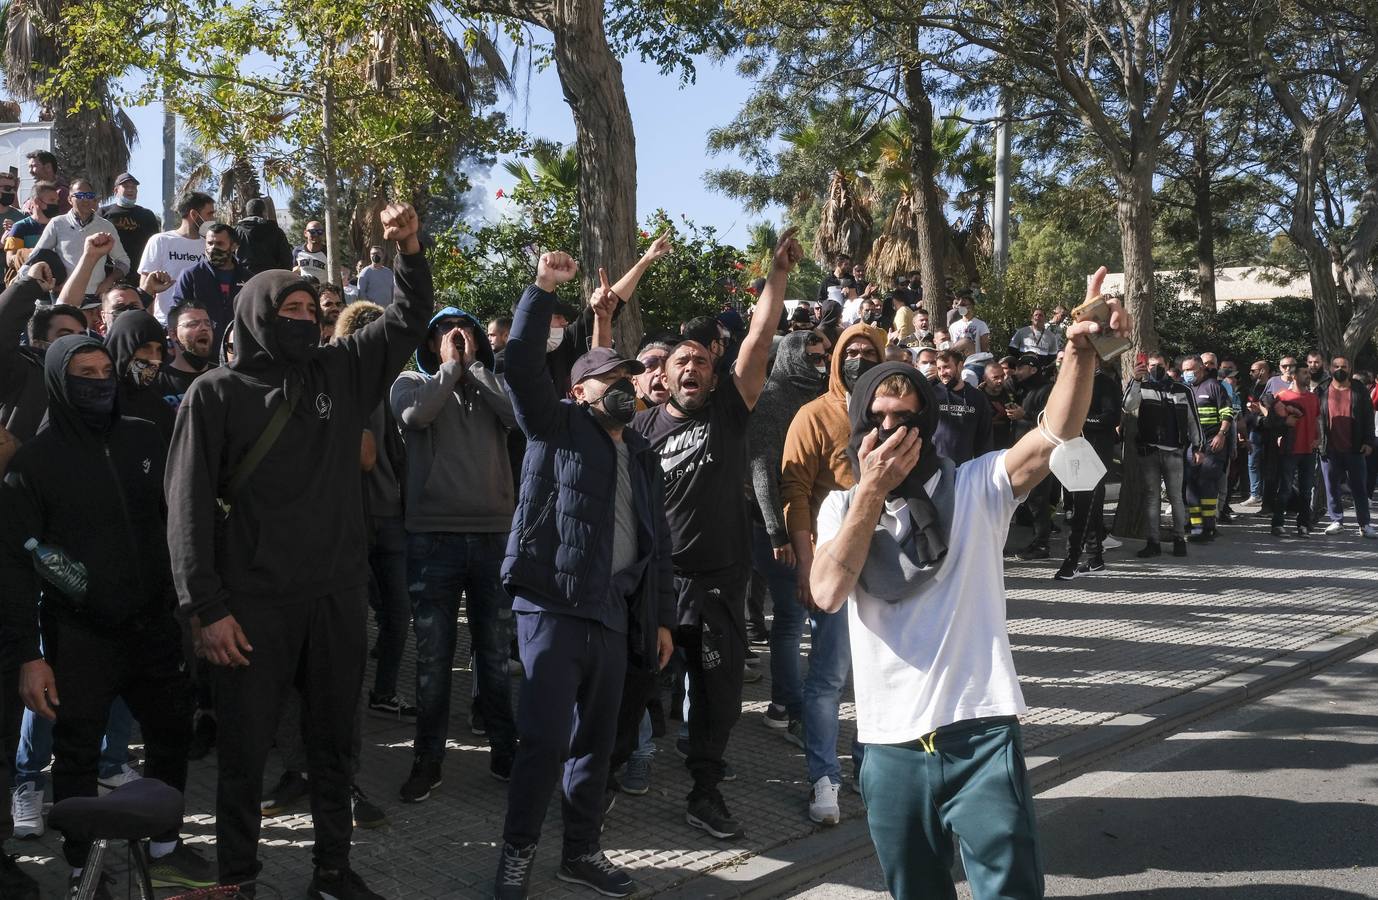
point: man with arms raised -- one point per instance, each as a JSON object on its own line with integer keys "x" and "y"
{"x": 915, "y": 547}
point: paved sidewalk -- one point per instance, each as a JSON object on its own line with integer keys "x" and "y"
{"x": 1089, "y": 652}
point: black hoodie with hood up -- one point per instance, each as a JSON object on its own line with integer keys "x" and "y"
{"x": 98, "y": 495}
{"x": 296, "y": 531}
{"x": 130, "y": 331}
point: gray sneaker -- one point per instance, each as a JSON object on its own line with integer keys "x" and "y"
{"x": 636, "y": 776}
{"x": 795, "y": 733}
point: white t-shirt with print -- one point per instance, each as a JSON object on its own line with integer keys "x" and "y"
{"x": 968, "y": 330}
{"x": 169, "y": 252}
{"x": 942, "y": 656}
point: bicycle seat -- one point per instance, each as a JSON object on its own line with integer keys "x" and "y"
{"x": 138, "y": 810}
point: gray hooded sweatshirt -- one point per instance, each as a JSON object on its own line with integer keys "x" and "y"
{"x": 454, "y": 421}
{"x": 793, "y": 382}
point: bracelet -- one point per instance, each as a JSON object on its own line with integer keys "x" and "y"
{"x": 1048, "y": 435}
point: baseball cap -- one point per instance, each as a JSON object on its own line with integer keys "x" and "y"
{"x": 601, "y": 361}
{"x": 125, "y": 177}
{"x": 1028, "y": 359}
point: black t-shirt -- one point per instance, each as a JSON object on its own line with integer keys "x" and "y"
{"x": 704, "y": 462}
{"x": 174, "y": 383}
{"x": 135, "y": 225}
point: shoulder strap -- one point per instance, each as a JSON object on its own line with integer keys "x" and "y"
{"x": 260, "y": 449}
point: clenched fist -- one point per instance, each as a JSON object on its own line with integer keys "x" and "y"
{"x": 554, "y": 269}
{"x": 401, "y": 224}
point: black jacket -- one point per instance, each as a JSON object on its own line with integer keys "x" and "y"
{"x": 1159, "y": 402}
{"x": 262, "y": 245}
{"x": 1103, "y": 418}
{"x": 96, "y": 495}
{"x": 297, "y": 529}
{"x": 23, "y": 398}
{"x": 135, "y": 225}
{"x": 1360, "y": 411}
{"x": 130, "y": 331}
{"x": 560, "y": 549}
{"x": 1032, "y": 395}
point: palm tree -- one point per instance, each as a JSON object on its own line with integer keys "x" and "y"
{"x": 91, "y": 141}
{"x": 838, "y": 133}
{"x": 555, "y": 167}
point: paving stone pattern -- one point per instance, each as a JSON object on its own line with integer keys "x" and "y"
{"x": 1087, "y": 651}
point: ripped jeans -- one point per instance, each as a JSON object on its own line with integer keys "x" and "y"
{"x": 439, "y": 567}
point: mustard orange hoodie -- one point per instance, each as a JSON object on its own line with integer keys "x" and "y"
{"x": 815, "y": 457}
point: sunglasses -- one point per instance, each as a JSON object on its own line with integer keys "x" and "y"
{"x": 652, "y": 363}
{"x": 816, "y": 358}
{"x": 83, "y": 195}
{"x": 1289, "y": 365}
{"x": 315, "y": 231}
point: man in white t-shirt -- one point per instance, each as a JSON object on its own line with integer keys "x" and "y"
{"x": 916, "y": 547}
{"x": 309, "y": 257}
{"x": 969, "y": 330}
{"x": 173, "y": 252}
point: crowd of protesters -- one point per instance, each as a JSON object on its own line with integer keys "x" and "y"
{"x": 240, "y": 459}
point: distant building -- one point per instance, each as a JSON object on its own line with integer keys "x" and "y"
{"x": 1235, "y": 284}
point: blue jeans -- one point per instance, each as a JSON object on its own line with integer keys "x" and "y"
{"x": 786, "y": 685}
{"x": 1335, "y": 468}
{"x": 830, "y": 662}
{"x": 645, "y": 745}
{"x": 439, "y": 566}
{"x": 1256, "y": 464}
{"x": 36, "y": 745}
{"x": 387, "y": 592}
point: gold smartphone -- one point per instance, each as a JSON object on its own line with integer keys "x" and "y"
{"x": 1108, "y": 346}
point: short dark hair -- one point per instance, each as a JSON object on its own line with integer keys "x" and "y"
{"x": 256, "y": 207}
{"x": 332, "y": 288}
{"x": 503, "y": 322}
{"x": 222, "y": 228}
{"x": 193, "y": 200}
{"x": 43, "y": 157}
{"x": 42, "y": 320}
{"x": 175, "y": 314}
{"x": 951, "y": 357}
{"x": 844, "y": 255}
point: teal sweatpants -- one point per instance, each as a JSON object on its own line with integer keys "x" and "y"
{"x": 967, "y": 779}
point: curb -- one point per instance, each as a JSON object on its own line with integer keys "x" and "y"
{"x": 779, "y": 870}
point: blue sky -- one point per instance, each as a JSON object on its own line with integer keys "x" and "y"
{"x": 671, "y": 126}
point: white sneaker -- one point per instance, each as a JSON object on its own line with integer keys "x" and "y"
{"x": 823, "y": 807}
{"x": 119, "y": 779}
{"x": 1110, "y": 543}
{"x": 26, "y": 806}
{"x": 1369, "y": 531}
{"x": 1334, "y": 528}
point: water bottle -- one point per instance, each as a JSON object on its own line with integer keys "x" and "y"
{"x": 58, "y": 569}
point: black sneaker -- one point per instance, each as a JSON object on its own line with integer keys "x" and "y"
{"x": 1150, "y": 550}
{"x": 102, "y": 891}
{"x": 15, "y": 882}
{"x": 424, "y": 778}
{"x": 476, "y": 723}
{"x": 1033, "y": 551}
{"x": 1091, "y": 566}
{"x": 390, "y": 707}
{"x": 500, "y": 766}
{"x": 1277, "y": 531}
{"x": 339, "y": 884}
{"x": 1303, "y": 531}
{"x": 1179, "y": 547}
{"x": 291, "y": 790}
{"x": 367, "y": 814}
{"x": 514, "y": 872}
{"x": 182, "y": 868}
{"x": 1202, "y": 537}
{"x": 757, "y": 633}
{"x": 708, "y": 812}
{"x": 775, "y": 716}
{"x": 595, "y": 870}
{"x": 1067, "y": 571}
{"x": 202, "y": 735}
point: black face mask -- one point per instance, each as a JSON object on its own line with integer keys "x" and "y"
{"x": 1340, "y": 375}
{"x": 195, "y": 360}
{"x": 1210, "y": 373}
{"x": 7, "y": 198}
{"x": 884, "y": 434}
{"x": 297, "y": 339}
{"x": 52, "y": 211}
{"x": 852, "y": 369}
{"x": 1157, "y": 373}
{"x": 619, "y": 401}
{"x": 93, "y": 399}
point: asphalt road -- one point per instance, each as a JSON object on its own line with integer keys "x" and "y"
{"x": 1276, "y": 799}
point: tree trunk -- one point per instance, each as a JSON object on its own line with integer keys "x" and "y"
{"x": 1134, "y": 209}
{"x": 606, "y": 143}
{"x": 330, "y": 176}
{"x": 932, "y": 225}
{"x": 1203, "y": 207}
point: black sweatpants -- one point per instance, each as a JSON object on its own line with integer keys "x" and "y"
{"x": 318, "y": 646}
{"x": 714, "y": 653}
{"x": 141, "y": 662}
{"x": 566, "y": 722}
{"x": 11, "y": 715}
{"x": 1087, "y": 532}
{"x": 1040, "y": 504}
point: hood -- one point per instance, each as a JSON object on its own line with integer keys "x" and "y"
{"x": 830, "y": 314}
{"x": 792, "y": 366}
{"x": 61, "y": 414}
{"x": 836, "y": 389}
{"x": 255, "y": 347}
{"x": 858, "y": 411}
{"x": 130, "y": 331}
{"x": 429, "y": 362}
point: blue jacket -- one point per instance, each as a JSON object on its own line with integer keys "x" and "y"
{"x": 559, "y": 553}
{"x": 202, "y": 283}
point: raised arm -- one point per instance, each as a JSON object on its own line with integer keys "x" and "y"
{"x": 1065, "y": 413}
{"x": 528, "y": 379}
{"x": 750, "y": 370}
{"x": 626, "y": 285}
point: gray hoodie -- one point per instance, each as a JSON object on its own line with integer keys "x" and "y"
{"x": 455, "y": 423}
{"x": 793, "y": 382}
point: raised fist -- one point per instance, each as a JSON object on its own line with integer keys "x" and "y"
{"x": 788, "y": 253}
{"x": 400, "y": 224}
{"x": 99, "y": 244}
{"x": 554, "y": 269}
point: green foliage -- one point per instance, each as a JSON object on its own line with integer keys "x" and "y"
{"x": 484, "y": 270}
